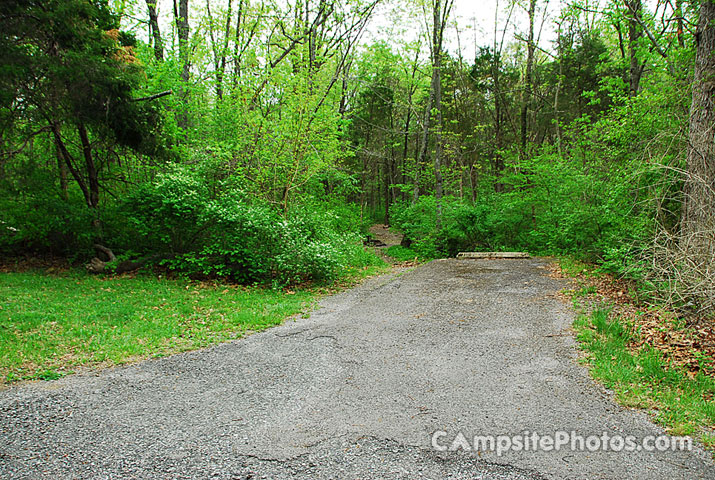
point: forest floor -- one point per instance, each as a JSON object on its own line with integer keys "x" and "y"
{"x": 357, "y": 389}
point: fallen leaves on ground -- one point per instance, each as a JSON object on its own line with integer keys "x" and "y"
{"x": 688, "y": 345}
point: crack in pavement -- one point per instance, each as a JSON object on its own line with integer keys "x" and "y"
{"x": 396, "y": 460}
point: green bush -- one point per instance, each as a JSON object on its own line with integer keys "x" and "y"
{"x": 39, "y": 220}
{"x": 248, "y": 242}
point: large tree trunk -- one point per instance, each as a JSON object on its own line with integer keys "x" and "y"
{"x": 155, "y": 32}
{"x": 698, "y": 226}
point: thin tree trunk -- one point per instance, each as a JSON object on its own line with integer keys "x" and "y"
{"x": 155, "y": 32}
{"x": 67, "y": 157}
{"x": 182, "y": 26}
{"x": 634, "y": 9}
{"x": 410, "y": 93}
{"x": 437, "y": 34}
{"x": 498, "y": 161}
{"x": 62, "y": 170}
{"x": 528, "y": 92}
{"x": 680, "y": 23}
{"x": 424, "y": 139}
{"x": 219, "y": 53}
{"x": 224, "y": 51}
{"x": 182, "y": 23}
{"x": 237, "y": 42}
{"x": 559, "y": 84}
{"x": 528, "y": 80}
{"x": 92, "y": 180}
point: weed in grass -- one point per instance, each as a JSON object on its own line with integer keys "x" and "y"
{"x": 585, "y": 291}
{"x": 49, "y": 374}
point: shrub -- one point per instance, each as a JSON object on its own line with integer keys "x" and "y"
{"x": 248, "y": 242}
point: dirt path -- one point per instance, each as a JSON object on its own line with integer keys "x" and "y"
{"x": 355, "y": 391}
{"x": 383, "y": 234}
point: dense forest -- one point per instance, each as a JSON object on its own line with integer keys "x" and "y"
{"x": 257, "y": 140}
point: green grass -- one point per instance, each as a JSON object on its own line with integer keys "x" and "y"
{"x": 572, "y": 267}
{"x": 403, "y": 254}
{"x": 685, "y": 405}
{"x": 51, "y": 324}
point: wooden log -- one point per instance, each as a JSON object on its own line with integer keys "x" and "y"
{"x": 493, "y": 255}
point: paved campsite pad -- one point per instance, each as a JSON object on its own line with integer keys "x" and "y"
{"x": 354, "y": 391}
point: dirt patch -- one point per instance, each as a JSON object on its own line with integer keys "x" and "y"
{"x": 385, "y": 235}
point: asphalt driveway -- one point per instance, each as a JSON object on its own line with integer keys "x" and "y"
{"x": 355, "y": 391}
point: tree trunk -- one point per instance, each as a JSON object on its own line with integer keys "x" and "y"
{"x": 237, "y": 52}
{"x": 680, "y": 23}
{"x": 424, "y": 139}
{"x": 219, "y": 51}
{"x": 222, "y": 63}
{"x": 559, "y": 84}
{"x": 498, "y": 161}
{"x": 528, "y": 80}
{"x": 526, "y": 100}
{"x": 62, "y": 170}
{"x": 634, "y": 9}
{"x": 182, "y": 26}
{"x": 92, "y": 181}
{"x": 388, "y": 181}
{"x": 437, "y": 34}
{"x": 698, "y": 227}
{"x": 155, "y": 32}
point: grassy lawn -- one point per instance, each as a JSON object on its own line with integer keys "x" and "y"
{"x": 51, "y": 324}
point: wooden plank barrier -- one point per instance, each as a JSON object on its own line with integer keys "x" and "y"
{"x": 493, "y": 255}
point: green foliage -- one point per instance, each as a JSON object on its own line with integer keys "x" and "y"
{"x": 269, "y": 174}
{"x": 228, "y": 236}
{"x": 62, "y": 62}
{"x": 35, "y": 218}
{"x": 555, "y": 208}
